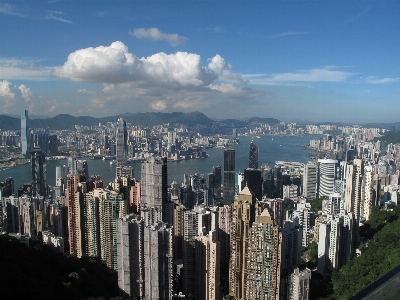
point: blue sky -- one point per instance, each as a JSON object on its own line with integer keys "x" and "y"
{"x": 306, "y": 60}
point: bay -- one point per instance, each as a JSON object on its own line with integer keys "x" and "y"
{"x": 271, "y": 149}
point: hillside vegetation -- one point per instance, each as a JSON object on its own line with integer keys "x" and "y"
{"x": 380, "y": 255}
{"x": 390, "y": 137}
{"x": 39, "y": 273}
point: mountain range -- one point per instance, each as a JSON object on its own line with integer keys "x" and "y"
{"x": 65, "y": 121}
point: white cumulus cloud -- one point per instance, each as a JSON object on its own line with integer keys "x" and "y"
{"x": 218, "y": 65}
{"x": 5, "y": 90}
{"x": 155, "y": 34}
{"x": 115, "y": 64}
{"x": 26, "y": 92}
{"x": 6, "y": 96}
{"x": 161, "y": 81}
{"x": 159, "y": 105}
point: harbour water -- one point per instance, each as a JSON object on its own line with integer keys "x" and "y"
{"x": 271, "y": 149}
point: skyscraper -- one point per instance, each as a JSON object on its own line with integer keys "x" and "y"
{"x": 209, "y": 191}
{"x": 229, "y": 176}
{"x": 154, "y": 189}
{"x": 335, "y": 241}
{"x": 41, "y": 140}
{"x": 53, "y": 145}
{"x": 253, "y": 179}
{"x": 72, "y": 165}
{"x": 158, "y": 261}
{"x": 24, "y": 133}
{"x": 190, "y": 231}
{"x": 130, "y": 259}
{"x": 291, "y": 238}
{"x": 145, "y": 259}
{"x": 207, "y": 267}
{"x": 106, "y": 142}
{"x": 112, "y": 206}
{"x": 262, "y": 260}
{"x": 242, "y": 216}
{"x": 310, "y": 181}
{"x": 299, "y": 284}
{"x": 74, "y": 196}
{"x": 224, "y": 233}
{"x": 367, "y": 193}
{"x": 38, "y": 167}
{"x": 217, "y": 181}
{"x": 352, "y": 200}
{"x": 326, "y": 176}
{"x": 122, "y": 139}
{"x": 61, "y": 177}
{"x": 354, "y": 175}
{"x": 253, "y": 156}
{"x": 261, "y": 252}
{"x": 90, "y": 222}
{"x": 81, "y": 167}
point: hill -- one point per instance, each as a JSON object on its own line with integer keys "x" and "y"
{"x": 379, "y": 256}
{"x": 65, "y": 121}
{"x": 390, "y": 137}
{"x": 263, "y": 120}
{"x": 9, "y": 123}
{"x": 39, "y": 273}
{"x": 383, "y": 125}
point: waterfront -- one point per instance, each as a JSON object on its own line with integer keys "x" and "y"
{"x": 271, "y": 149}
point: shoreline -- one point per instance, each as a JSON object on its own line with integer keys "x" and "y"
{"x": 12, "y": 163}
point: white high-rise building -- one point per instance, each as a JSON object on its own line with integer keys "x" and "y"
{"x": 334, "y": 205}
{"x": 299, "y": 285}
{"x": 326, "y": 176}
{"x": 367, "y": 193}
{"x": 335, "y": 242}
{"x": 302, "y": 213}
{"x": 354, "y": 176}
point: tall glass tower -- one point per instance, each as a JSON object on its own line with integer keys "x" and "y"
{"x": 24, "y": 133}
{"x": 38, "y": 167}
{"x": 229, "y": 176}
{"x": 122, "y": 139}
{"x": 253, "y": 156}
{"x": 217, "y": 181}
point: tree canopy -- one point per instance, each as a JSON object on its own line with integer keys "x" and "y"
{"x": 381, "y": 254}
{"x": 38, "y": 272}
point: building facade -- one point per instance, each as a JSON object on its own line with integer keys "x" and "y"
{"x": 253, "y": 156}
{"x": 229, "y": 176}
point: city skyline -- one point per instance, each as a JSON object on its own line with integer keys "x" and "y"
{"x": 319, "y": 61}
{"x": 192, "y": 239}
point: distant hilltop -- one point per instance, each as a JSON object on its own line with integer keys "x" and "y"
{"x": 65, "y": 121}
